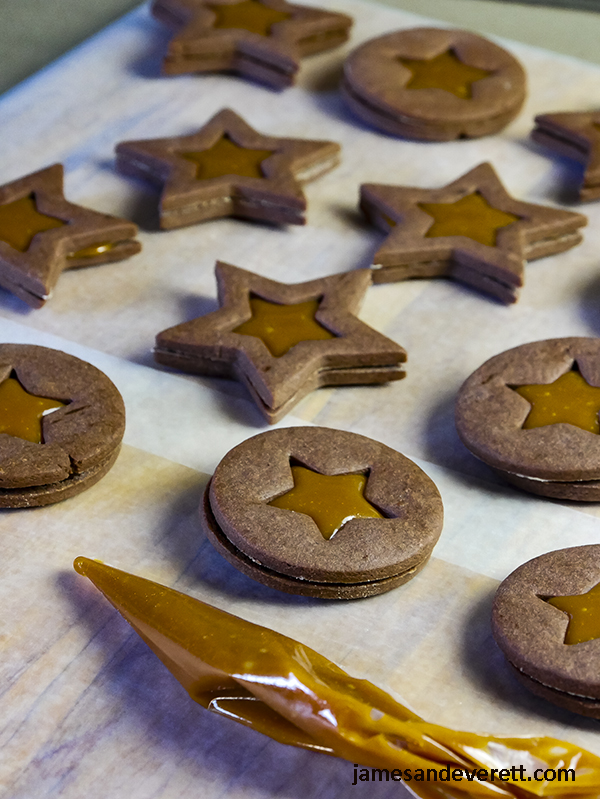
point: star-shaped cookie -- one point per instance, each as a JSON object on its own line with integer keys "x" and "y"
{"x": 228, "y": 169}
{"x": 41, "y": 235}
{"x": 259, "y": 39}
{"x": 470, "y": 230}
{"x": 575, "y": 135}
{"x": 215, "y": 345}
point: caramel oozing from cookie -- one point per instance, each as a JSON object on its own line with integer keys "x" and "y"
{"x": 227, "y": 158}
{"x": 470, "y": 216}
{"x": 569, "y": 399}
{"x": 248, "y": 15}
{"x": 330, "y": 500}
{"x": 20, "y": 221}
{"x": 92, "y": 250}
{"x": 446, "y": 72}
{"x": 21, "y": 412}
{"x": 281, "y": 327}
{"x": 583, "y": 611}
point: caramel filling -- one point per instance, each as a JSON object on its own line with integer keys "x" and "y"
{"x": 227, "y": 158}
{"x": 330, "y": 500}
{"x": 249, "y": 15}
{"x": 21, "y": 412}
{"x": 20, "y": 221}
{"x": 446, "y": 72}
{"x": 583, "y": 611}
{"x": 470, "y": 216}
{"x": 569, "y": 399}
{"x": 281, "y": 327}
{"x": 93, "y": 250}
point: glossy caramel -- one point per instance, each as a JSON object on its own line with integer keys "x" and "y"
{"x": 20, "y": 221}
{"x": 249, "y": 15}
{"x": 21, "y": 412}
{"x": 446, "y": 72}
{"x": 583, "y": 611}
{"x": 281, "y": 327}
{"x": 93, "y": 250}
{"x": 330, "y": 500}
{"x": 569, "y": 399}
{"x": 226, "y": 157}
{"x": 470, "y": 216}
{"x": 286, "y": 690}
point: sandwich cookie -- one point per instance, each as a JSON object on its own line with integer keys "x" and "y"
{"x": 327, "y": 513}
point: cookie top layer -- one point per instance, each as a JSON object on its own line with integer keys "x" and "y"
{"x": 490, "y": 413}
{"x": 78, "y": 436}
{"x": 384, "y": 76}
{"x": 531, "y": 632}
{"x": 290, "y": 542}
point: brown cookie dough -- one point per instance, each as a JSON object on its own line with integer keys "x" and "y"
{"x": 575, "y": 135}
{"x": 334, "y": 348}
{"x": 471, "y": 231}
{"x": 259, "y": 39}
{"x": 533, "y": 634}
{"x": 434, "y": 84}
{"x": 42, "y": 235}
{"x": 287, "y": 549}
{"x": 555, "y": 459}
{"x": 77, "y": 443}
{"x": 228, "y": 169}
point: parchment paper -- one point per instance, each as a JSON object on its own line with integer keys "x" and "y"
{"x": 86, "y": 709}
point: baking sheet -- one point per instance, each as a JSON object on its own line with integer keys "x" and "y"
{"x": 86, "y": 710}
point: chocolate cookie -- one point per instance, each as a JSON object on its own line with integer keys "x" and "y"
{"x": 434, "y": 84}
{"x": 228, "y": 169}
{"x": 283, "y": 340}
{"x": 42, "y": 235}
{"x": 262, "y": 40}
{"x": 471, "y": 230}
{"x": 575, "y": 135}
{"x": 546, "y": 620}
{"x": 531, "y": 414}
{"x": 61, "y": 425}
{"x": 327, "y": 513}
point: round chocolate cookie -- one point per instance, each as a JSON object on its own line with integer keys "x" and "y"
{"x": 61, "y": 425}
{"x": 546, "y": 621}
{"x": 434, "y": 84}
{"x": 322, "y": 512}
{"x": 531, "y": 413}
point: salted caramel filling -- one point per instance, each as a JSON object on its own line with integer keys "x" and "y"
{"x": 471, "y": 216}
{"x": 21, "y": 412}
{"x": 583, "y": 611}
{"x": 226, "y": 157}
{"x": 281, "y": 327}
{"x": 93, "y": 250}
{"x": 249, "y": 15}
{"x": 569, "y": 399}
{"x": 446, "y": 72}
{"x": 330, "y": 500}
{"x": 20, "y": 221}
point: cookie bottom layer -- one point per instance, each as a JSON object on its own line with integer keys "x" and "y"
{"x": 584, "y": 705}
{"x": 579, "y": 490}
{"x": 291, "y": 585}
{"x": 38, "y": 496}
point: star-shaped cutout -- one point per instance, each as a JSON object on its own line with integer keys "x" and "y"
{"x": 353, "y": 353}
{"x": 569, "y": 399}
{"x": 330, "y": 500}
{"x": 259, "y": 39}
{"x": 41, "y": 235}
{"x": 21, "y": 412}
{"x": 413, "y": 249}
{"x": 228, "y": 169}
{"x": 444, "y": 71}
{"x": 576, "y": 135}
{"x": 583, "y": 611}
